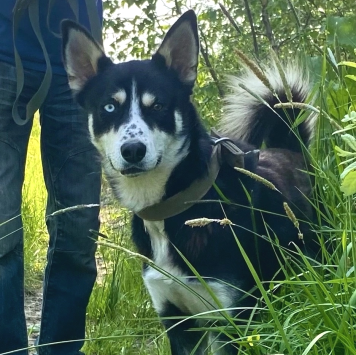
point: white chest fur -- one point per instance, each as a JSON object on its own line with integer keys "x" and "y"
{"x": 188, "y": 294}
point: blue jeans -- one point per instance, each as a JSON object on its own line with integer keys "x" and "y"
{"x": 72, "y": 175}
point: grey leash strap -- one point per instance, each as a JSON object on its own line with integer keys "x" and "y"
{"x": 95, "y": 25}
{"x": 38, "y": 98}
{"x": 33, "y": 10}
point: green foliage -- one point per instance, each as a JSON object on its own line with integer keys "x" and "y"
{"x": 33, "y": 213}
{"x": 346, "y": 131}
{"x": 290, "y": 28}
{"x": 311, "y": 309}
{"x": 120, "y": 315}
{"x": 343, "y": 28}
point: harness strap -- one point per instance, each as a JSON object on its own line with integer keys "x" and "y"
{"x": 224, "y": 150}
{"x": 178, "y": 203}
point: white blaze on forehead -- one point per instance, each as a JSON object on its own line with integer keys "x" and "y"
{"x": 120, "y": 96}
{"x": 135, "y": 111}
{"x": 136, "y": 193}
{"x": 148, "y": 99}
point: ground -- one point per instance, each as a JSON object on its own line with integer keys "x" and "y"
{"x": 33, "y": 303}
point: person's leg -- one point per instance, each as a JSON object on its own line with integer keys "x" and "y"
{"x": 13, "y": 148}
{"x": 73, "y": 176}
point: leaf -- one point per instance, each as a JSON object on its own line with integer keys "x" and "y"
{"x": 352, "y": 77}
{"x": 347, "y": 170}
{"x": 348, "y": 186}
{"x": 344, "y": 240}
{"x": 349, "y": 140}
{"x": 347, "y": 161}
{"x": 314, "y": 341}
{"x": 343, "y": 153}
{"x": 332, "y": 58}
{"x": 348, "y": 64}
{"x": 352, "y": 301}
{"x": 338, "y": 100}
{"x": 343, "y": 28}
{"x": 346, "y": 128}
{"x": 351, "y": 116}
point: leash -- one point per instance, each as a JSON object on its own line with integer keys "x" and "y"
{"x": 39, "y": 96}
{"x": 224, "y": 151}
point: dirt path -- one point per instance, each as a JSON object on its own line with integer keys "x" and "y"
{"x": 33, "y": 303}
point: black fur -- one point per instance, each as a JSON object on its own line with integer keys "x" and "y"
{"x": 212, "y": 249}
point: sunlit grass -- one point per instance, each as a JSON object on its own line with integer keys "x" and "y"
{"x": 33, "y": 213}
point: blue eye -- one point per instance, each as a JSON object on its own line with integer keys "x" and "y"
{"x": 109, "y": 108}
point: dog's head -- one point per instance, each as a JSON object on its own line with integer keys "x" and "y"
{"x": 137, "y": 109}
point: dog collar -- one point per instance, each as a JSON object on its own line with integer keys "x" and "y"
{"x": 224, "y": 150}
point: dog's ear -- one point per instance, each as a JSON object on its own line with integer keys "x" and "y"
{"x": 180, "y": 48}
{"x": 83, "y": 57}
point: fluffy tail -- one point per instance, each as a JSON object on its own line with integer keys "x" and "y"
{"x": 246, "y": 117}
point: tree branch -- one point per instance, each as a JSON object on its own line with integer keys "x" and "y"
{"x": 229, "y": 17}
{"x": 294, "y": 12}
{"x": 209, "y": 66}
{"x": 178, "y": 9}
{"x": 250, "y": 20}
{"x": 267, "y": 24}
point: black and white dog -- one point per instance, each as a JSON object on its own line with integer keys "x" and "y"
{"x": 154, "y": 146}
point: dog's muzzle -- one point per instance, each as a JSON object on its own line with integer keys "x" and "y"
{"x": 133, "y": 152}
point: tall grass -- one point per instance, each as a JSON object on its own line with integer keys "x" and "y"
{"x": 33, "y": 213}
{"x": 120, "y": 313}
{"x": 310, "y": 310}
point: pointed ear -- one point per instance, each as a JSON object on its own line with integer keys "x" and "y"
{"x": 180, "y": 48}
{"x": 83, "y": 57}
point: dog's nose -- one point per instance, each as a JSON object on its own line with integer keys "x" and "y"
{"x": 133, "y": 152}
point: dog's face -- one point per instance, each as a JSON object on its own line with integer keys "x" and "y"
{"x": 137, "y": 109}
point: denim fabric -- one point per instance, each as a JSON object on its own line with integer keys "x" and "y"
{"x": 72, "y": 175}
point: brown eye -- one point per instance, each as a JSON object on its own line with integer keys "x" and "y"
{"x": 157, "y": 107}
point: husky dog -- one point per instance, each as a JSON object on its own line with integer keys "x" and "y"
{"x": 155, "y": 153}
